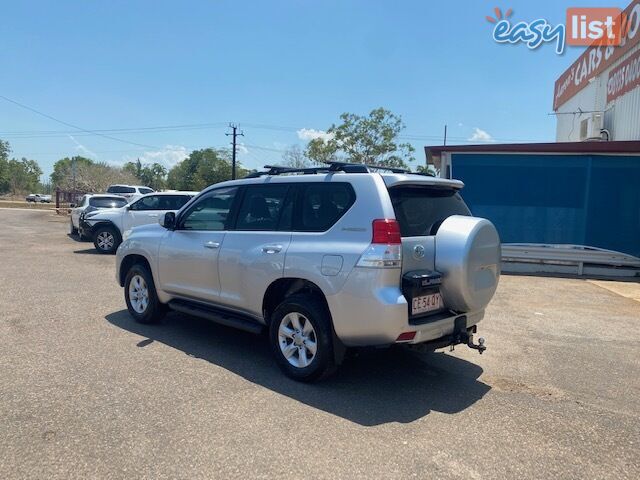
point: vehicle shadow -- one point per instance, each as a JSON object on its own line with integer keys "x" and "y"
{"x": 87, "y": 251}
{"x": 372, "y": 388}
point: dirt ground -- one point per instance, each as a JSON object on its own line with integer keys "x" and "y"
{"x": 87, "y": 393}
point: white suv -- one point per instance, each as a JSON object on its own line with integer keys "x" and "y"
{"x": 332, "y": 258}
{"x": 107, "y": 228}
{"x": 130, "y": 192}
{"x": 90, "y": 203}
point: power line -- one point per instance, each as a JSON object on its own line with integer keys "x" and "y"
{"x": 72, "y": 125}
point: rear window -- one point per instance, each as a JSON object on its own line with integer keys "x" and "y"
{"x": 120, "y": 189}
{"x": 107, "y": 202}
{"x": 144, "y": 190}
{"x": 420, "y": 211}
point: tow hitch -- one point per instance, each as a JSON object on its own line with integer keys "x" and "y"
{"x": 467, "y": 338}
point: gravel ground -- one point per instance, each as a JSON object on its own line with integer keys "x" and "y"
{"x": 87, "y": 393}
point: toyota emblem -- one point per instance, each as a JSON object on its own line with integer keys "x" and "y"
{"x": 418, "y": 251}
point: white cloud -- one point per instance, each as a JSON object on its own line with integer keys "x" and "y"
{"x": 82, "y": 149}
{"x": 169, "y": 156}
{"x": 480, "y": 135}
{"x": 240, "y": 147}
{"x": 312, "y": 134}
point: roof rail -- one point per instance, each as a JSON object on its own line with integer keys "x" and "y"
{"x": 367, "y": 166}
{"x": 345, "y": 167}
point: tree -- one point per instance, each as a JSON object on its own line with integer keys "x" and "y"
{"x": 24, "y": 175}
{"x": 5, "y": 150}
{"x": 85, "y": 175}
{"x": 295, "y": 157}
{"x": 63, "y": 172}
{"x": 201, "y": 169}
{"x": 427, "y": 170}
{"x": 134, "y": 168}
{"x": 359, "y": 139}
{"x": 153, "y": 175}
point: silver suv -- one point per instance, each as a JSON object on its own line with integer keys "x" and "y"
{"x": 324, "y": 259}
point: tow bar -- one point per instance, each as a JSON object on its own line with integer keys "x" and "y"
{"x": 467, "y": 338}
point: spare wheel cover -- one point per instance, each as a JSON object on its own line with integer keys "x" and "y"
{"x": 468, "y": 256}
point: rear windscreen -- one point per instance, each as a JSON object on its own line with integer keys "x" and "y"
{"x": 121, "y": 189}
{"x": 421, "y": 210}
{"x": 107, "y": 202}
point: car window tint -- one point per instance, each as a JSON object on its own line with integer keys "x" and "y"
{"x": 121, "y": 189}
{"x": 210, "y": 212}
{"x": 172, "y": 202}
{"x": 420, "y": 210}
{"x": 144, "y": 190}
{"x": 151, "y": 202}
{"x": 107, "y": 202}
{"x": 261, "y": 207}
{"x": 323, "y": 204}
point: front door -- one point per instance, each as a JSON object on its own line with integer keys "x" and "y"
{"x": 188, "y": 256}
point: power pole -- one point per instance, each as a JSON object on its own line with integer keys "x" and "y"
{"x": 234, "y": 134}
{"x": 445, "y": 135}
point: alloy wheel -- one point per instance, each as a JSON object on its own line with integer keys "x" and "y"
{"x": 297, "y": 340}
{"x": 138, "y": 294}
{"x": 105, "y": 240}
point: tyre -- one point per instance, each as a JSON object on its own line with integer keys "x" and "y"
{"x": 141, "y": 297}
{"x": 72, "y": 230}
{"x": 301, "y": 337}
{"x": 106, "y": 239}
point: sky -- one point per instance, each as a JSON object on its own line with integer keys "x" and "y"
{"x": 158, "y": 79}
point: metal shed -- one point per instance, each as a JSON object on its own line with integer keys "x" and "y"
{"x": 570, "y": 204}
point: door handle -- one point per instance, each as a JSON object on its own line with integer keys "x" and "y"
{"x": 272, "y": 249}
{"x": 212, "y": 245}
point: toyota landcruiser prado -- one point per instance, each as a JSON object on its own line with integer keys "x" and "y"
{"x": 335, "y": 257}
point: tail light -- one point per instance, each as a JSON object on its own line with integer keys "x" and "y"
{"x": 385, "y": 250}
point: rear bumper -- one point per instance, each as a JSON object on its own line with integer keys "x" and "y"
{"x": 366, "y": 315}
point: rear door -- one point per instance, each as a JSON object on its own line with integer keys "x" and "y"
{"x": 420, "y": 210}
{"x": 253, "y": 253}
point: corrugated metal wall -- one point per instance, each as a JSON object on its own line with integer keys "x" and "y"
{"x": 591, "y": 200}
{"x": 622, "y": 116}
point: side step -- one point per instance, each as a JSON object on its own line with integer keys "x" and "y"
{"x": 216, "y": 315}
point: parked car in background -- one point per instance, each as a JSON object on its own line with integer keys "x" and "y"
{"x": 337, "y": 257}
{"x": 107, "y": 227}
{"x": 38, "y": 198}
{"x": 90, "y": 203}
{"x": 130, "y": 192}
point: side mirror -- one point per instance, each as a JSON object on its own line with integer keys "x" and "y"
{"x": 72, "y": 205}
{"x": 169, "y": 220}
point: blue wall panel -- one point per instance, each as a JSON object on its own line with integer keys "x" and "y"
{"x": 570, "y": 199}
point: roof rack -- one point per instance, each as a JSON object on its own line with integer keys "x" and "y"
{"x": 345, "y": 167}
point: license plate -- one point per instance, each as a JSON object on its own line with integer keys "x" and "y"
{"x": 426, "y": 303}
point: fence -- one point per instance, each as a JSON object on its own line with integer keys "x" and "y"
{"x": 64, "y": 198}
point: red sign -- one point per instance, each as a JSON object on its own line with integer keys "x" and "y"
{"x": 597, "y": 58}
{"x": 624, "y": 78}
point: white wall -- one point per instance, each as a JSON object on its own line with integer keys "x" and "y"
{"x": 623, "y": 113}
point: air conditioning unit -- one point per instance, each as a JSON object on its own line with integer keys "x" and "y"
{"x": 591, "y": 127}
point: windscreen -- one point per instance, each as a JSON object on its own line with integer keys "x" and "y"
{"x": 421, "y": 210}
{"x": 107, "y": 202}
